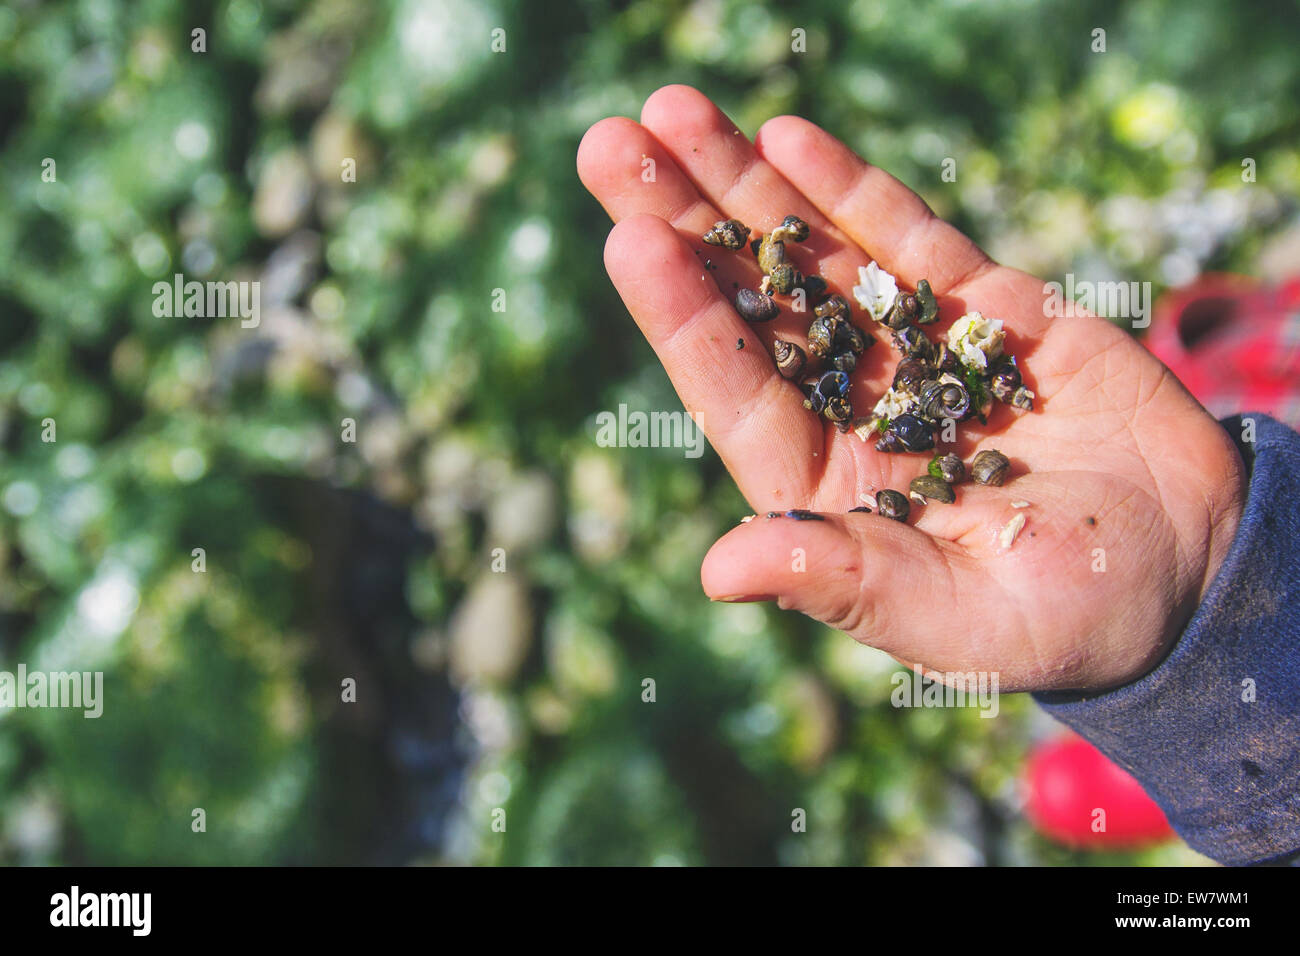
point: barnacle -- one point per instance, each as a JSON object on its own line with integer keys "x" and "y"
{"x": 875, "y": 291}
{"x": 976, "y": 340}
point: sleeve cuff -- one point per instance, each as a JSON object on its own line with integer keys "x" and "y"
{"x": 1213, "y": 732}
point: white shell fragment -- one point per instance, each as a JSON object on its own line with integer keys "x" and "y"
{"x": 876, "y": 290}
{"x": 864, "y": 428}
{"x": 1007, "y": 536}
{"x": 976, "y": 340}
{"x": 747, "y": 519}
{"x": 1020, "y": 504}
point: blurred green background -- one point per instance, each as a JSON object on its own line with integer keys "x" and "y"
{"x": 475, "y": 429}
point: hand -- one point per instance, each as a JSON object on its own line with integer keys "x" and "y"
{"x": 1123, "y": 469}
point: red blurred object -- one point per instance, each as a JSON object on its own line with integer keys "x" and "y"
{"x": 1067, "y": 781}
{"x": 1235, "y": 343}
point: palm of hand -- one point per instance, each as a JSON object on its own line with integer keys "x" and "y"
{"x": 1114, "y": 437}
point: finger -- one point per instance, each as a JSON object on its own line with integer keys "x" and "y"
{"x": 885, "y": 583}
{"x": 885, "y": 218}
{"x": 754, "y": 419}
{"x": 727, "y": 171}
{"x": 612, "y": 165}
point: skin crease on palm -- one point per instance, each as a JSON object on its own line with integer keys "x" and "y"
{"x": 1113, "y": 437}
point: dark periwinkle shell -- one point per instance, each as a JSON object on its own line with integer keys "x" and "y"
{"x": 815, "y": 286}
{"x": 927, "y": 488}
{"x": 728, "y": 233}
{"x": 948, "y": 467}
{"x": 911, "y": 341}
{"x": 907, "y": 432}
{"x": 794, "y": 229}
{"x": 990, "y": 467}
{"x": 905, "y": 312}
{"x": 844, "y": 361}
{"x": 836, "y": 305}
{"x": 790, "y": 359}
{"x": 753, "y": 306}
{"x": 910, "y": 375}
{"x": 892, "y": 504}
{"x": 929, "y": 304}
{"x": 1005, "y": 379}
{"x": 940, "y": 400}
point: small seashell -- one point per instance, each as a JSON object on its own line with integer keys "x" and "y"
{"x": 839, "y": 411}
{"x": 990, "y": 467}
{"x": 792, "y": 229}
{"x": 926, "y": 488}
{"x": 892, "y": 504}
{"x": 728, "y": 233}
{"x": 784, "y": 279}
{"x": 799, "y": 514}
{"x": 1020, "y": 504}
{"x": 907, "y": 432}
{"x": 844, "y": 362}
{"x": 948, "y": 467}
{"x": 836, "y": 305}
{"x": 747, "y": 519}
{"x": 771, "y": 253}
{"x": 740, "y": 344}
{"x": 756, "y": 307}
{"x": 912, "y": 342}
{"x": 945, "y": 399}
{"x": 906, "y": 311}
{"x": 790, "y": 359}
{"x": 859, "y": 508}
{"x": 929, "y": 304}
{"x": 815, "y": 286}
{"x": 1007, "y": 536}
{"x": 910, "y": 375}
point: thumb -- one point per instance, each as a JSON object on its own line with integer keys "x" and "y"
{"x": 886, "y": 583}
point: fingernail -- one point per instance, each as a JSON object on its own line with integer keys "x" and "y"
{"x": 743, "y": 598}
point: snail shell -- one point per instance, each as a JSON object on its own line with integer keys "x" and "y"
{"x": 821, "y": 336}
{"x": 833, "y": 384}
{"x": 844, "y": 361}
{"x": 771, "y": 253}
{"x": 836, "y": 306}
{"x": 907, "y": 432}
{"x": 792, "y": 228}
{"x": 728, "y": 233}
{"x": 948, "y": 467}
{"x": 929, "y": 304}
{"x": 906, "y": 311}
{"x": 910, "y": 375}
{"x": 990, "y": 467}
{"x": 755, "y": 307}
{"x": 892, "y": 504}
{"x": 911, "y": 341}
{"x": 945, "y": 399}
{"x": 839, "y": 411}
{"x": 790, "y": 359}
{"x": 785, "y": 278}
{"x": 927, "y": 488}
{"x": 815, "y": 286}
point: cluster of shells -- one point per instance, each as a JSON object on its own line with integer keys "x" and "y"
{"x": 934, "y": 383}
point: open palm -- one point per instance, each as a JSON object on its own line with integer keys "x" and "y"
{"x": 1135, "y": 491}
